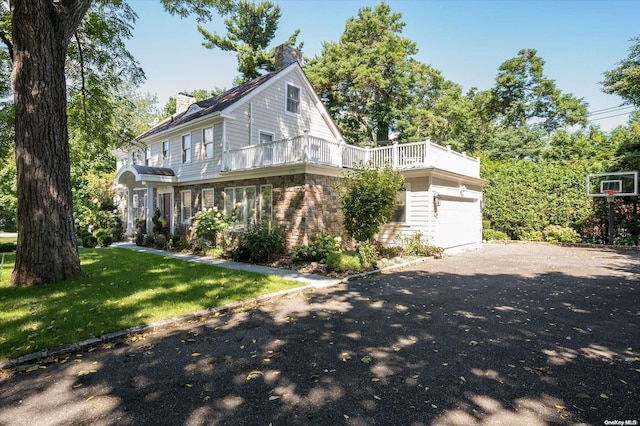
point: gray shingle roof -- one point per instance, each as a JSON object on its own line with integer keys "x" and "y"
{"x": 210, "y": 106}
{"x": 158, "y": 171}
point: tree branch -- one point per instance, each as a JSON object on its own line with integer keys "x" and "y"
{"x": 83, "y": 90}
{"x": 7, "y": 42}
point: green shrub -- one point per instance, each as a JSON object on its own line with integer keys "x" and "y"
{"x": 259, "y": 242}
{"x": 117, "y": 229}
{"x": 417, "y": 245}
{"x": 528, "y": 235}
{"x": 368, "y": 254}
{"x": 215, "y": 252}
{"x": 105, "y": 240}
{"x": 161, "y": 241}
{"x": 486, "y": 224}
{"x": 7, "y": 247}
{"x": 149, "y": 240}
{"x": 391, "y": 251}
{"x": 89, "y": 241}
{"x": 344, "y": 262}
{"x": 160, "y": 226}
{"x": 139, "y": 239}
{"x": 209, "y": 223}
{"x": 100, "y": 232}
{"x": 318, "y": 248}
{"x": 523, "y": 194}
{"x": 174, "y": 240}
{"x": 103, "y": 237}
{"x": 560, "y": 234}
{"x": 141, "y": 226}
{"x": 492, "y": 235}
{"x": 368, "y": 197}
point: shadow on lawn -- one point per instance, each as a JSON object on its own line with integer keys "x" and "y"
{"x": 136, "y": 288}
{"x": 446, "y": 344}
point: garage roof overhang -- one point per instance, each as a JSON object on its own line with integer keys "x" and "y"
{"x": 444, "y": 174}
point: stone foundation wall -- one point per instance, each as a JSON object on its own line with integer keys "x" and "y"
{"x": 304, "y": 204}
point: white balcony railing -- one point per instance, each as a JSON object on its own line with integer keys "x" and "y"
{"x": 307, "y": 149}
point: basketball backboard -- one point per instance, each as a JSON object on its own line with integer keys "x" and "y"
{"x": 621, "y": 183}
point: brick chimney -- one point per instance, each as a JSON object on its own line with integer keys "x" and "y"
{"x": 183, "y": 102}
{"x": 286, "y": 55}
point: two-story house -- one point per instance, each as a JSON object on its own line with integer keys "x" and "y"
{"x": 270, "y": 149}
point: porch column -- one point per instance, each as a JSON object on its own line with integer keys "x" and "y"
{"x": 149, "y": 208}
{"x": 130, "y": 227}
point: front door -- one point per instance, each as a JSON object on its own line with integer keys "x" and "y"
{"x": 164, "y": 204}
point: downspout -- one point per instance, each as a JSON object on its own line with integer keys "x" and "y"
{"x": 250, "y": 121}
{"x": 225, "y": 153}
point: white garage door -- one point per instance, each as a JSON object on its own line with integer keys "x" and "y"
{"x": 458, "y": 223}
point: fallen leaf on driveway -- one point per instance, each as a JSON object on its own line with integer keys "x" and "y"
{"x": 254, "y": 375}
{"x": 366, "y": 359}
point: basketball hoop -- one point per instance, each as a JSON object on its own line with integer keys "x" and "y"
{"x": 611, "y": 194}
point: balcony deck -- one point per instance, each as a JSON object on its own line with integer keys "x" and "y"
{"x": 307, "y": 149}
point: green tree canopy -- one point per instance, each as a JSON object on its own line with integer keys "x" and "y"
{"x": 523, "y": 95}
{"x": 364, "y": 79}
{"x": 250, "y": 28}
{"x": 624, "y": 80}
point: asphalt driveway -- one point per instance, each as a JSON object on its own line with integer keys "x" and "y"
{"x": 522, "y": 334}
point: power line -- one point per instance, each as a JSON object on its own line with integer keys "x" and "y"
{"x": 604, "y": 109}
{"x": 609, "y": 116}
{"x": 610, "y": 110}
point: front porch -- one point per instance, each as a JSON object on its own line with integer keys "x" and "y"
{"x": 307, "y": 149}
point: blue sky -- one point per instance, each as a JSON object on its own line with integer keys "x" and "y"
{"x": 465, "y": 40}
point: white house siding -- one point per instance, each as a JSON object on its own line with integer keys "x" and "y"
{"x": 266, "y": 112}
{"x": 199, "y": 167}
{"x": 457, "y": 221}
{"x": 418, "y": 214}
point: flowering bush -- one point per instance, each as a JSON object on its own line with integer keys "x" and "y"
{"x": 318, "y": 249}
{"x": 209, "y": 223}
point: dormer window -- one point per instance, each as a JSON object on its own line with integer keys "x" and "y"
{"x": 293, "y": 99}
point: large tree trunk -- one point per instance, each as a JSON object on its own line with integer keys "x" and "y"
{"x": 47, "y": 249}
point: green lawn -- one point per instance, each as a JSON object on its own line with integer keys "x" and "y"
{"x": 119, "y": 289}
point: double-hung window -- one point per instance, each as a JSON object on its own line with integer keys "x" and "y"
{"x": 242, "y": 201}
{"x": 400, "y": 215}
{"x": 165, "y": 150}
{"x": 293, "y": 99}
{"x": 147, "y": 156}
{"x": 266, "y": 202}
{"x": 207, "y": 199}
{"x": 185, "y": 206}
{"x": 186, "y": 148}
{"x": 137, "y": 157}
{"x": 207, "y": 142}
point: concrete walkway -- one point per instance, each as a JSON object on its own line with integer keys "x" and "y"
{"x": 309, "y": 279}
